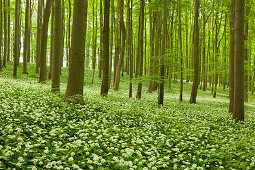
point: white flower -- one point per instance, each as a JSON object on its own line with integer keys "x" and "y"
{"x": 75, "y": 166}
{"x": 20, "y": 159}
{"x": 96, "y": 158}
{"x": 72, "y": 153}
{"x": 70, "y": 159}
{"x": 34, "y": 168}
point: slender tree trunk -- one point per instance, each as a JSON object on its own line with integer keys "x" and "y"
{"x": 187, "y": 49}
{"x": 5, "y": 33}
{"x": 246, "y": 36}
{"x": 43, "y": 66}
{"x": 121, "y": 59}
{"x": 58, "y": 52}
{"x": 94, "y": 42}
{"x": 180, "y": 49}
{"x": 171, "y": 50}
{"x": 140, "y": 52}
{"x": 100, "y": 59}
{"x": 52, "y": 37}
{"x": 39, "y": 34}
{"x": 16, "y": 40}
{"x": 68, "y": 41}
{"x": 26, "y": 38}
{"x": 204, "y": 53}
{"x": 9, "y": 29}
{"x": 162, "y": 65}
{"x": 1, "y": 66}
{"x": 231, "y": 56}
{"x": 152, "y": 30}
{"x": 106, "y": 31}
{"x": 111, "y": 44}
{"x": 238, "y": 112}
{"x": 131, "y": 71}
{"x": 74, "y": 91}
{"x": 157, "y": 48}
{"x": 29, "y": 32}
{"x": 196, "y": 55}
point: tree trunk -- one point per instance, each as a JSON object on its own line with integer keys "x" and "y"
{"x": 162, "y": 66}
{"x": 26, "y": 38}
{"x": 105, "y": 81}
{"x": 231, "y": 57}
{"x": 152, "y": 31}
{"x": 43, "y": 66}
{"x": 196, "y": 55}
{"x": 131, "y": 71}
{"x": 5, "y": 33}
{"x": 246, "y": 36}
{"x": 58, "y": 52}
{"x": 39, "y": 35}
{"x": 111, "y": 46}
{"x": 204, "y": 53}
{"x": 74, "y": 91}
{"x": 100, "y": 59}
{"x": 16, "y": 40}
{"x": 180, "y": 49}
{"x": 94, "y": 53}
{"x": 121, "y": 59}
{"x": 1, "y": 66}
{"x": 140, "y": 52}
{"x": 238, "y": 112}
{"x": 52, "y": 37}
{"x": 9, "y": 31}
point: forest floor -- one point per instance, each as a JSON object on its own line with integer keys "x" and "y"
{"x": 39, "y": 131}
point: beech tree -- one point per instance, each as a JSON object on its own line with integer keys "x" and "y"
{"x": 74, "y": 91}
{"x": 16, "y": 39}
{"x": 58, "y": 52}
{"x": 238, "y": 110}
{"x": 43, "y": 50}
{"x": 1, "y": 36}
{"x": 140, "y": 49}
{"x": 26, "y": 38}
{"x": 105, "y": 80}
{"x": 196, "y": 55}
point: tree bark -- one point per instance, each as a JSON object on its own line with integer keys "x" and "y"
{"x": 238, "y": 111}
{"x": 180, "y": 50}
{"x": 246, "y": 36}
{"x": 74, "y": 91}
{"x": 140, "y": 51}
{"x": 231, "y": 57}
{"x": 43, "y": 66}
{"x": 152, "y": 31}
{"x": 5, "y": 33}
{"x": 123, "y": 37}
{"x": 16, "y": 39}
{"x": 26, "y": 38}
{"x": 94, "y": 53}
{"x": 58, "y": 52}
{"x": 1, "y": 66}
{"x": 39, "y": 35}
{"x": 105, "y": 80}
{"x": 162, "y": 66}
{"x": 196, "y": 55}
{"x": 52, "y": 37}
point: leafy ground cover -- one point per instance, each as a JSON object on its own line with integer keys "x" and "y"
{"x": 39, "y": 131}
